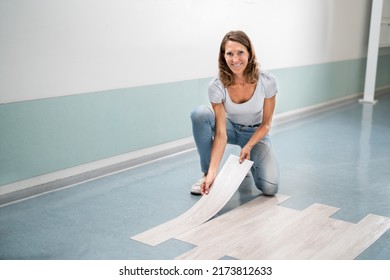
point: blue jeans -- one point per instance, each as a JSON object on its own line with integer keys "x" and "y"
{"x": 265, "y": 168}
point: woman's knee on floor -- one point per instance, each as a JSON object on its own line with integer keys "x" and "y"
{"x": 267, "y": 188}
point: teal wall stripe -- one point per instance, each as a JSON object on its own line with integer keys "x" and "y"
{"x": 48, "y": 135}
{"x": 43, "y": 136}
{"x": 383, "y": 72}
{"x": 309, "y": 85}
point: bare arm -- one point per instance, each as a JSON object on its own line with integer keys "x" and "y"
{"x": 262, "y": 130}
{"x": 219, "y": 145}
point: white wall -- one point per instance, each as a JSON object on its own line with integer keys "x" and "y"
{"x": 52, "y": 48}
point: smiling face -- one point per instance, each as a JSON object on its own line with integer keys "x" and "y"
{"x": 236, "y": 57}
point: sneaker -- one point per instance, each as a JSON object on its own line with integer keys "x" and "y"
{"x": 195, "y": 188}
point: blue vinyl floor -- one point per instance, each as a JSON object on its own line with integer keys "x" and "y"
{"x": 340, "y": 157}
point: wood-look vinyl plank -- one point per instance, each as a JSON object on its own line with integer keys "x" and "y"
{"x": 261, "y": 229}
{"x": 243, "y": 236}
{"x": 355, "y": 239}
{"x": 239, "y": 238}
{"x": 215, "y": 237}
{"x": 225, "y": 185}
{"x": 231, "y": 221}
{"x": 297, "y": 240}
{"x": 314, "y": 240}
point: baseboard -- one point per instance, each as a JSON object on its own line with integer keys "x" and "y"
{"x": 52, "y": 181}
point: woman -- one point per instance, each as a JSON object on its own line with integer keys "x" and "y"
{"x": 243, "y": 102}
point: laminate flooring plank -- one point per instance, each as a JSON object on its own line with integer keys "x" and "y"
{"x": 313, "y": 235}
{"x": 281, "y": 233}
{"x": 216, "y": 237}
{"x": 229, "y": 222}
{"x": 235, "y": 239}
{"x": 252, "y": 226}
{"x": 299, "y": 239}
{"x": 278, "y": 242}
{"x": 225, "y": 185}
{"x": 355, "y": 239}
{"x": 307, "y": 247}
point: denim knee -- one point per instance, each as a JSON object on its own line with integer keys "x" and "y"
{"x": 268, "y": 188}
{"x": 201, "y": 113}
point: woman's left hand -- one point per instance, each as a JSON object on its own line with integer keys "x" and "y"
{"x": 245, "y": 153}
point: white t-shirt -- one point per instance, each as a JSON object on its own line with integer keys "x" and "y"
{"x": 251, "y": 111}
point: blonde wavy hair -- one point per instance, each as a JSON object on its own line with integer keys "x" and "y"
{"x": 251, "y": 72}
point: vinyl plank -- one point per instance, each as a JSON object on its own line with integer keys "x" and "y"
{"x": 225, "y": 185}
{"x": 355, "y": 239}
{"x": 313, "y": 235}
{"x": 261, "y": 229}
{"x": 231, "y": 221}
{"x": 215, "y": 237}
{"x": 297, "y": 239}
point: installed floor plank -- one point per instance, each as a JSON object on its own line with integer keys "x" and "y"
{"x": 355, "y": 239}
{"x": 220, "y": 235}
{"x": 225, "y": 185}
{"x": 212, "y": 230}
{"x": 292, "y": 239}
{"x": 261, "y": 229}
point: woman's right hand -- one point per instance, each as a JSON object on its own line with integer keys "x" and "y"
{"x": 207, "y": 183}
